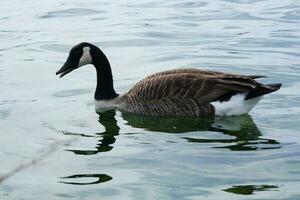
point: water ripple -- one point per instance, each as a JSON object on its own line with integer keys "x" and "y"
{"x": 250, "y": 189}
{"x": 124, "y": 156}
{"x": 73, "y": 12}
{"x": 100, "y": 178}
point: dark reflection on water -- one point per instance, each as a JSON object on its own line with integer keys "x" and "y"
{"x": 108, "y": 120}
{"x": 246, "y": 134}
{"x": 167, "y": 124}
{"x": 100, "y": 178}
{"x": 242, "y": 131}
{"x": 250, "y": 189}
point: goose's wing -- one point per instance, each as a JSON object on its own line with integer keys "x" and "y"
{"x": 203, "y": 87}
{"x": 199, "y": 72}
{"x": 184, "y": 93}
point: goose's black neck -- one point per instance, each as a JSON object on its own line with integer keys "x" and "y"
{"x": 105, "y": 89}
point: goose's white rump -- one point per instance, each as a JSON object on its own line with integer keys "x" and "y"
{"x": 236, "y": 105}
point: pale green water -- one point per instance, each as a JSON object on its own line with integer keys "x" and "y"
{"x": 124, "y": 156}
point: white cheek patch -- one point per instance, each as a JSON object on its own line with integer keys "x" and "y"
{"x": 86, "y": 57}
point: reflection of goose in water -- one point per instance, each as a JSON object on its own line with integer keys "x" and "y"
{"x": 244, "y": 132}
{"x": 100, "y": 178}
{"x": 247, "y": 135}
{"x": 250, "y": 189}
{"x": 107, "y": 119}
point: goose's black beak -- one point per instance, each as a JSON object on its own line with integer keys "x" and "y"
{"x": 65, "y": 69}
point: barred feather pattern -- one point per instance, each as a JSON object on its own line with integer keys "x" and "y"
{"x": 183, "y": 92}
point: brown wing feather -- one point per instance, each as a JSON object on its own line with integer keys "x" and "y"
{"x": 185, "y": 70}
{"x": 201, "y": 72}
{"x": 184, "y": 92}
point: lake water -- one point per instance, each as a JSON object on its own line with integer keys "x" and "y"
{"x": 124, "y": 156}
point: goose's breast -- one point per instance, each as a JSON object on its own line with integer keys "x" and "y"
{"x": 106, "y": 104}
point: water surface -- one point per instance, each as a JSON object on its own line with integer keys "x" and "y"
{"x": 123, "y": 156}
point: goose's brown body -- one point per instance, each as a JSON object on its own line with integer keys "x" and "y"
{"x": 188, "y": 92}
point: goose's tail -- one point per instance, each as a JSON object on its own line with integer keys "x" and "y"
{"x": 242, "y": 103}
{"x": 262, "y": 90}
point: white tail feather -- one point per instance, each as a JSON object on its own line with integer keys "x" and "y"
{"x": 237, "y": 105}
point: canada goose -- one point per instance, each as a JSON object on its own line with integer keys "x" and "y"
{"x": 178, "y": 92}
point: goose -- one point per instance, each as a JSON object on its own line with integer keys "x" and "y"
{"x": 177, "y": 92}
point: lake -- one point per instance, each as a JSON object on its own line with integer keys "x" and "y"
{"x": 124, "y": 156}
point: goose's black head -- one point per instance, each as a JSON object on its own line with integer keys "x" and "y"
{"x": 80, "y": 55}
